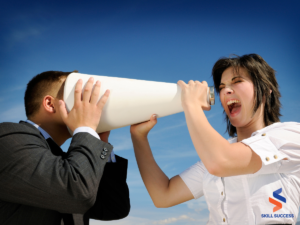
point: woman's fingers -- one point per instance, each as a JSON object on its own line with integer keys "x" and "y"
{"x": 153, "y": 121}
{"x": 205, "y": 83}
{"x": 142, "y": 129}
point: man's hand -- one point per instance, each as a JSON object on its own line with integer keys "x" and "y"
{"x": 104, "y": 136}
{"x": 87, "y": 110}
{"x": 141, "y": 130}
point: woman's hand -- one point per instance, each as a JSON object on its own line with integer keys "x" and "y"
{"x": 141, "y": 130}
{"x": 194, "y": 93}
{"x": 104, "y": 136}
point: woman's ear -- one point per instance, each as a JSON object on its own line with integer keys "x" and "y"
{"x": 270, "y": 91}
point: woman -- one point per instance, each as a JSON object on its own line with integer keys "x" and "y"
{"x": 253, "y": 178}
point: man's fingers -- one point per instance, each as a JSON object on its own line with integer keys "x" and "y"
{"x": 88, "y": 90}
{"x": 63, "y": 111}
{"x": 181, "y": 83}
{"x": 191, "y": 82}
{"x": 77, "y": 93}
{"x": 95, "y": 93}
{"x": 103, "y": 99}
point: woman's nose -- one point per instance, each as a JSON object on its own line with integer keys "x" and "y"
{"x": 228, "y": 90}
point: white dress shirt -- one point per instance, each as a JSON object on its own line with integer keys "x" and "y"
{"x": 89, "y": 130}
{"x": 270, "y": 196}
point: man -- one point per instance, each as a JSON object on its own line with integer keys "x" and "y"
{"x": 41, "y": 184}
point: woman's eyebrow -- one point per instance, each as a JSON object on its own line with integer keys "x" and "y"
{"x": 231, "y": 79}
{"x": 236, "y": 77}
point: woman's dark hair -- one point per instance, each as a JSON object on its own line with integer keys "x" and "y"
{"x": 264, "y": 80}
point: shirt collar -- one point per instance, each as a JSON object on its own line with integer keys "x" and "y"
{"x": 44, "y": 133}
{"x": 267, "y": 128}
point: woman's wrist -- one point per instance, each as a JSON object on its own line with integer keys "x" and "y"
{"x": 192, "y": 108}
{"x": 139, "y": 137}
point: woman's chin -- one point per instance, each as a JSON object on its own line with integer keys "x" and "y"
{"x": 236, "y": 122}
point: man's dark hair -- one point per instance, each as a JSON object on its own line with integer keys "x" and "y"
{"x": 264, "y": 80}
{"x": 39, "y": 86}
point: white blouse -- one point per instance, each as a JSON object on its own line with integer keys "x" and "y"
{"x": 270, "y": 196}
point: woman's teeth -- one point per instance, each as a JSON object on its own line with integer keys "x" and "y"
{"x": 232, "y": 101}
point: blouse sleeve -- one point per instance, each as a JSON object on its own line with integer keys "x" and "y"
{"x": 279, "y": 150}
{"x": 193, "y": 178}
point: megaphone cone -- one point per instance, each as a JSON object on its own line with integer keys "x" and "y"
{"x": 130, "y": 101}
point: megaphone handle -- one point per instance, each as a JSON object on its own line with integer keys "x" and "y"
{"x": 211, "y": 95}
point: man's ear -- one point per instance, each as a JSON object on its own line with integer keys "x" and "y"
{"x": 48, "y": 104}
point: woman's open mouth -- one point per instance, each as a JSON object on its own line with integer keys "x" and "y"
{"x": 234, "y": 107}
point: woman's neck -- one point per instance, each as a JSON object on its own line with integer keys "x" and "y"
{"x": 257, "y": 122}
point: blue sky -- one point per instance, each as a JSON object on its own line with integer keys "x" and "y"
{"x": 164, "y": 40}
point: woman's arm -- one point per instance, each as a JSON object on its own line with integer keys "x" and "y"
{"x": 219, "y": 156}
{"x": 163, "y": 191}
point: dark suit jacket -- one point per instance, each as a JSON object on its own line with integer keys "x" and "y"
{"x": 40, "y": 184}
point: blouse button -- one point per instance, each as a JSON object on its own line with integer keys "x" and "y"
{"x": 222, "y": 193}
{"x": 263, "y": 134}
{"x": 223, "y": 219}
{"x": 267, "y": 158}
{"x": 275, "y": 157}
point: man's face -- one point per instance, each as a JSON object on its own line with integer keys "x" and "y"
{"x": 59, "y": 96}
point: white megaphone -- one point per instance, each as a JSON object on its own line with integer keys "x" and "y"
{"x": 130, "y": 101}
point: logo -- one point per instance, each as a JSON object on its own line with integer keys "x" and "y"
{"x": 278, "y": 205}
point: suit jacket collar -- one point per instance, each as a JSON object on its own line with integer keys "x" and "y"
{"x": 43, "y": 132}
{"x": 55, "y": 149}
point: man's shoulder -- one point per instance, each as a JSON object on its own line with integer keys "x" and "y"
{"x": 8, "y": 128}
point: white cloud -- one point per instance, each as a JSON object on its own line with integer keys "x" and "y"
{"x": 13, "y": 114}
{"x": 122, "y": 142}
{"x": 177, "y": 153}
{"x": 181, "y": 124}
{"x": 16, "y": 88}
{"x": 20, "y": 35}
{"x": 134, "y": 178}
{"x": 4, "y": 91}
{"x": 173, "y": 220}
{"x": 24, "y": 33}
{"x": 197, "y": 205}
{"x": 130, "y": 220}
{"x": 213, "y": 115}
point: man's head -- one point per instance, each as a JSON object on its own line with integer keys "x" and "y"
{"x": 264, "y": 81}
{"x": 43, "y": 84}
